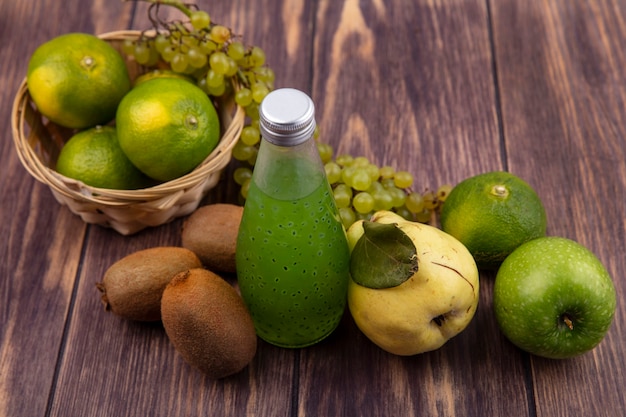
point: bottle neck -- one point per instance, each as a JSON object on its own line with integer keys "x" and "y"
{"x": 288, "y": 172}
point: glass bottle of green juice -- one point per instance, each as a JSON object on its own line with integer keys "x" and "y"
{"x": 292, "y": 254}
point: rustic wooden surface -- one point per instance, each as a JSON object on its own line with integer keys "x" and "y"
{"x": 444, "y": 89}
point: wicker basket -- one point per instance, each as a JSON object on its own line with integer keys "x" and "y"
{"x": 127, "y": 211}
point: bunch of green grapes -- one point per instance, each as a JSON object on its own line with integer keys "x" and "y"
{"x": 222, "y": 65}
{"x": 361, "y": 188}
{"x": 218, "y": 60}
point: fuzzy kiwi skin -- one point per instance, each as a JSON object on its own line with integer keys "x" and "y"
{"x": 211, "y": 233}
{"x": 208, "y": 323}
{"x": 132, "y": 287}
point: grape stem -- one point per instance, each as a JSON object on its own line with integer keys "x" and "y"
{"x": 183, "y": 7}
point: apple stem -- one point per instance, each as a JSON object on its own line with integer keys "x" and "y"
{"x": 568, "y": 321}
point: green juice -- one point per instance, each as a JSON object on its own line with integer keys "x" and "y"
{"x": 293, "y": 257}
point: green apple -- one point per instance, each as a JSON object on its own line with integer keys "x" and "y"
{"x": 553, "y": 298}
{"x": 412, "y": 286}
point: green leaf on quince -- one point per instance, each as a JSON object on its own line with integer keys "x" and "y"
{"x": 383, "y": 257}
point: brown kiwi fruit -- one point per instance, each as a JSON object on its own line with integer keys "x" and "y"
{"x": 132, "y": 287}
{"x": 211, "y": 232}
{"x": 208, "y": 323}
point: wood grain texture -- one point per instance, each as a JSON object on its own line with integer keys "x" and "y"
{"x": 563, "y": 107}
{"x": 390, "y": 87}
{"x": 443, "y": 89}
{"x": 41, "y": 241}
{"x": 396, "y": 83}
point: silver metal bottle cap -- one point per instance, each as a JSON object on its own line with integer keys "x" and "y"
{"x": 287, "y": 117}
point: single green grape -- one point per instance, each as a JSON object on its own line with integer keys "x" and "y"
{"x": 245, "y": 187}
{"x": 259, "y": 91}
{"x": 325, "y": 151}
{"x": 257, "y": 56}
{"x": 398, "y": 197}
{"x": 430, "y": 200}
{"x": 161, "y": 41}
{"x": 218, "y": 61}
{"x": 196, "y": 57}
{"x": 386, "y": 172}
{"x": 252, "y": 159}
{"x": 201, "y": 82}
{"x": 242, "y": 174}
{"x": 236, "y": 50}
{"x": 333, "y": 172}
{"x": 382, "y": 200}
{"x": 154, "y": 54}
{"x": 443, "y": 192}
{"x": 363, "y": 202}
{"x": 242, "y": 152}
{"x": 189, "y": 39}
{"x": 414, "y": 202}
{"x": 388, "y": 183}
{"x": 348, "y": 217}
{"x": 207, "y": 46}
{"x": 343, "y": 195}
{"x": 423, "y": 216}
{"x": 360, "y": 180}
{"x": 179, "y": 62}
{"x": 213, "y": 79}
{"x": 344, "y": 160}
{"x": 217, "y": 91}
{"x": 169, "y": 52}
{"x": 405, "y": 213}
{"x": 141, "y": 53}
{"x": 252, "y": 110}
{"x": 403, "y": 179}
{"x": 375, "y": 187}
{"x": 250, "y": 135}
{"x": 372, "y": 171}
{"x": 220, "y": 34}
{"x": 347, "y": 174}
{"x": 243, "y": 97}
{"x": 265, "y": 74}
{"x": 200, "y": 20}
{"x": 232, "y": 66}
{"x": 128, "y": 47}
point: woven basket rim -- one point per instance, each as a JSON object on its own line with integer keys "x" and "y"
{"x": 77, "y": 190}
